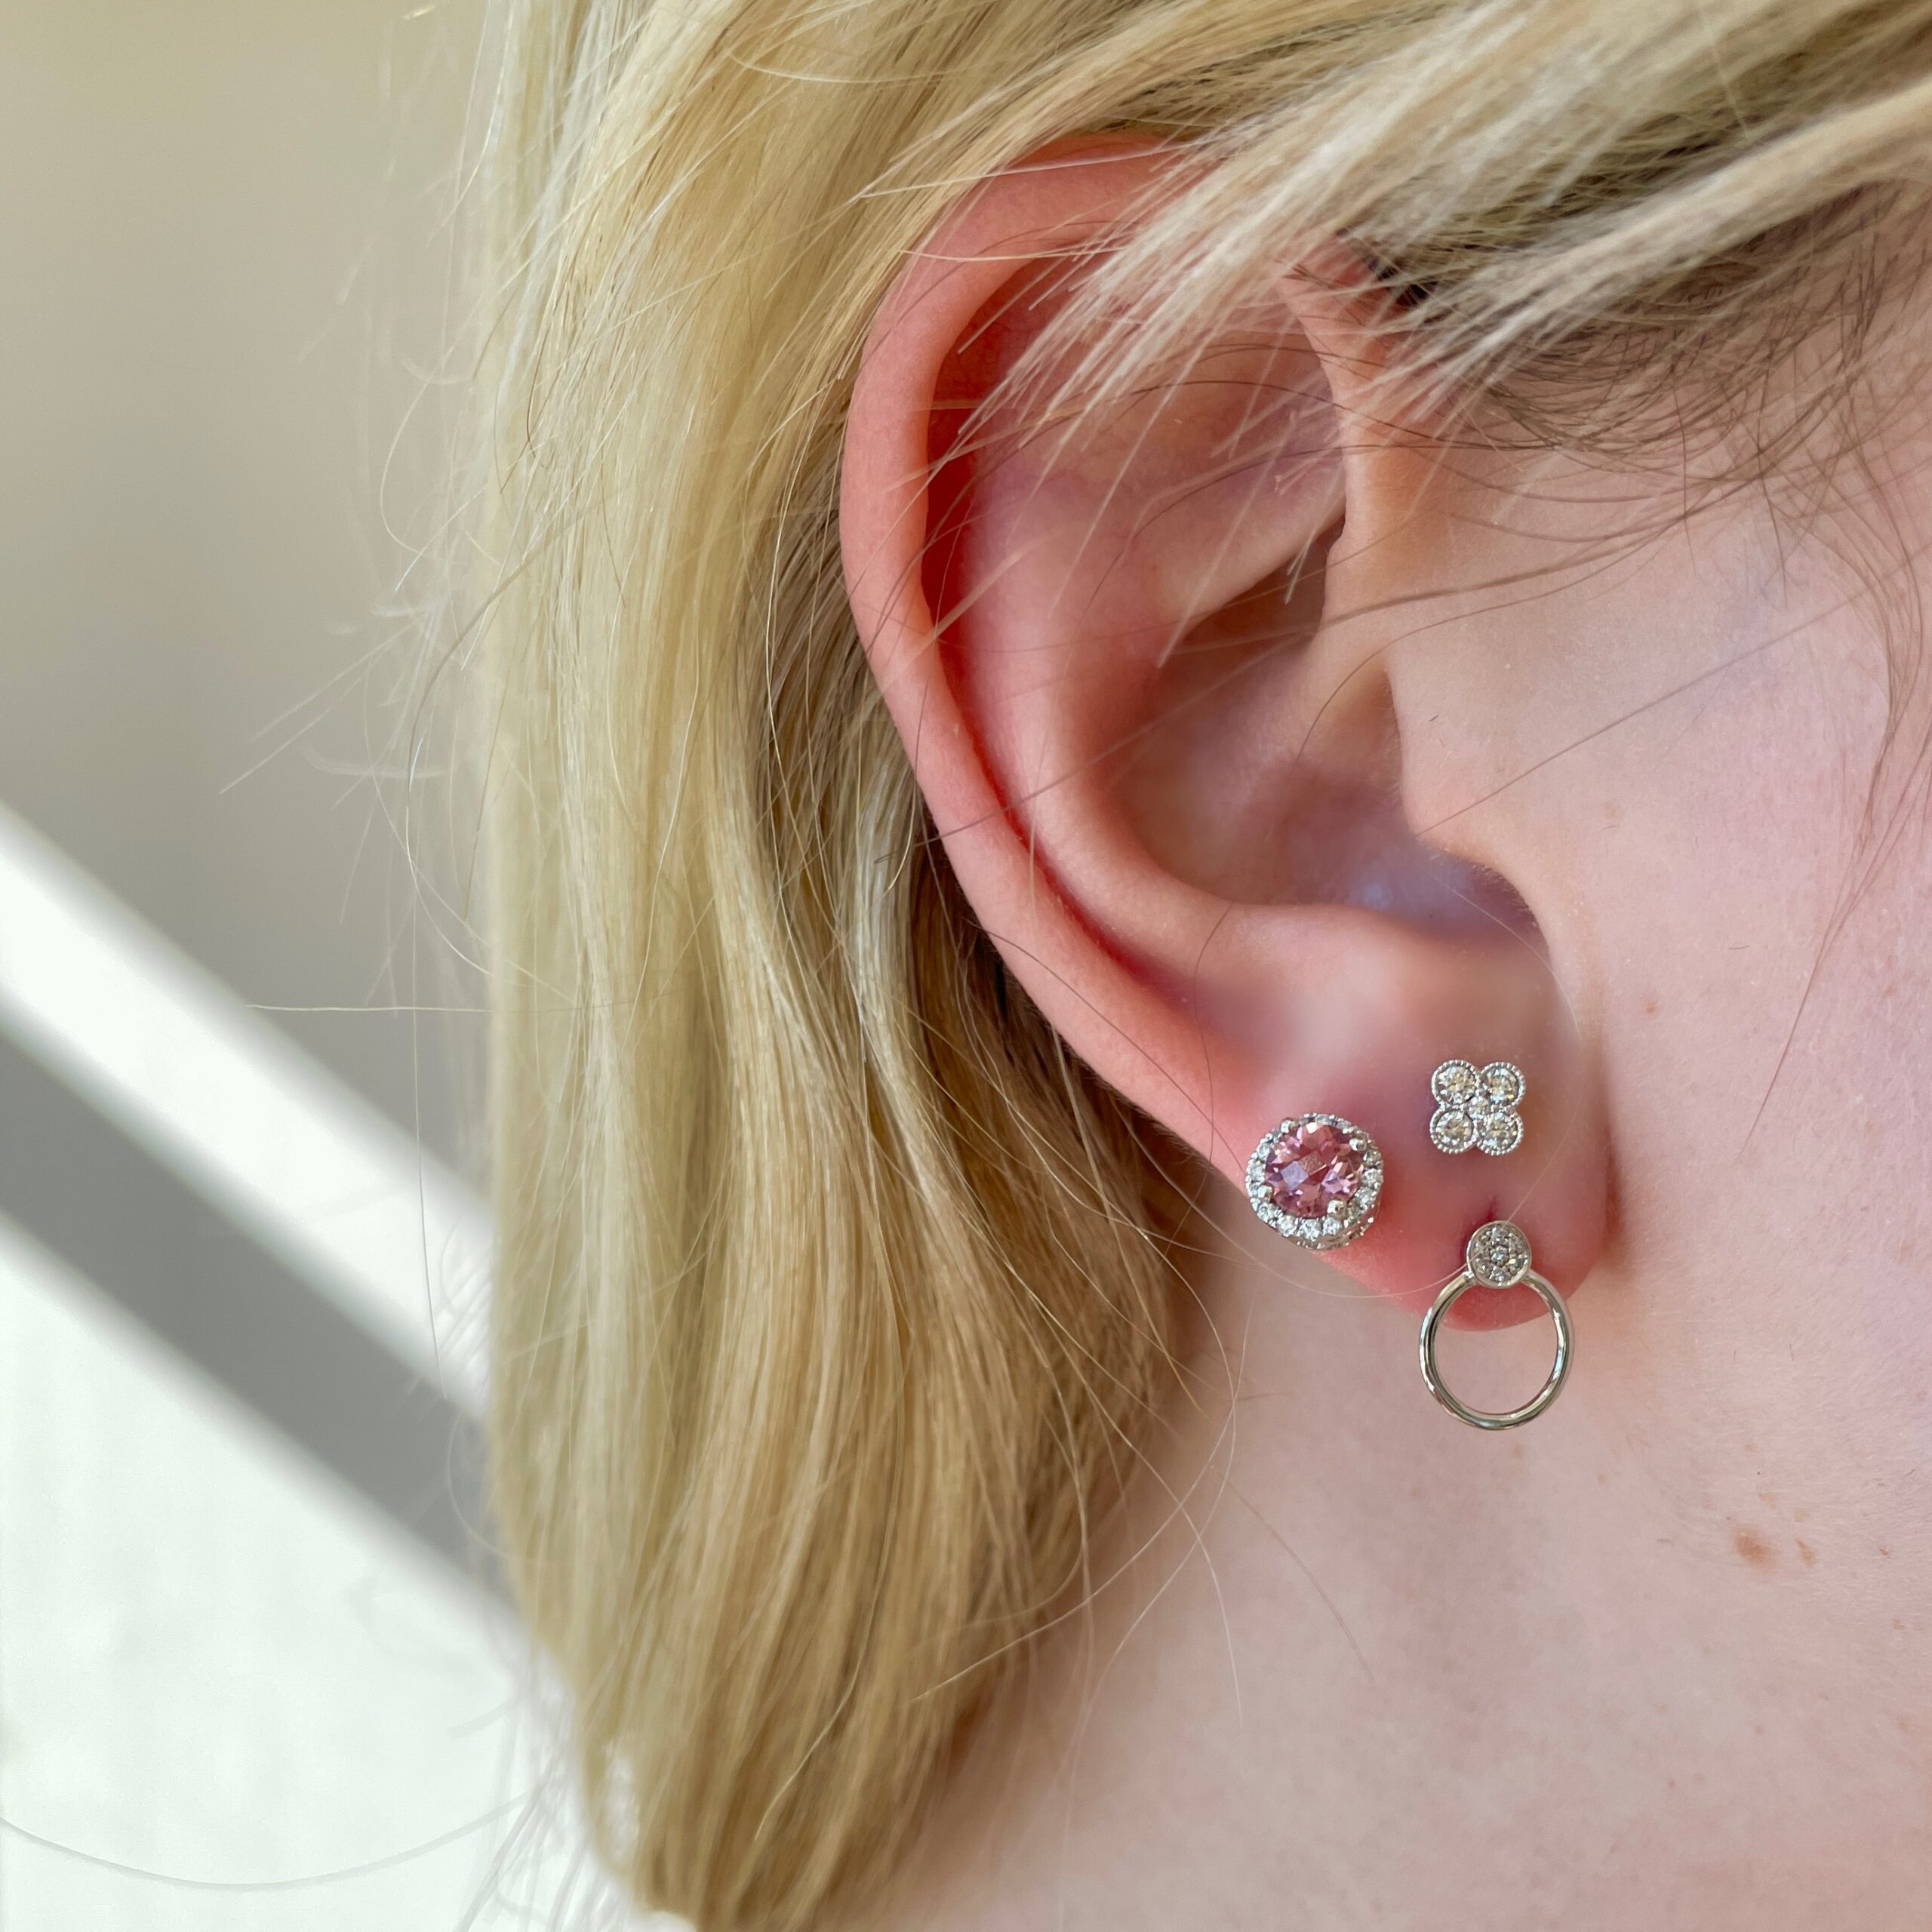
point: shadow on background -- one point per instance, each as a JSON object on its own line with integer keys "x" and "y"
{"x": 193, "y": 1279}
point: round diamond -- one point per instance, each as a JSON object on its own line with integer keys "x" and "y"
{"x": 1311, "y": 1169}
{"x": 1499, "y": 1131}
{"x": 1498, "y": 1254}
{"x": 1502, "y": 1084}
{"x": 1453, "y": 1130}
{"x": 1453, "y": 1082}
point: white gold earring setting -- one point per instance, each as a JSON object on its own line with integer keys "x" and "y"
{"x": 1476, "y": 1107}
{"x": 1497, "y": 1256}
{"x": 1317, "y": 1179}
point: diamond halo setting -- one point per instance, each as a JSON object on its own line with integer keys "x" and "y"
{"x": 1316, "y": 1179}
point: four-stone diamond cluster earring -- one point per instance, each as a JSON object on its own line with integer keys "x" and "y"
{"x": 1317, "y": 1179}
{"x": 1477, "y": 1107}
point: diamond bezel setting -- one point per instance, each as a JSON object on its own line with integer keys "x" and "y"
{"x": 1476, "y": 1107}
{"x": 1343, "y": 1222}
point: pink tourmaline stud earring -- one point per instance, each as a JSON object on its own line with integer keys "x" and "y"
{"x": 1316, "y": 1179}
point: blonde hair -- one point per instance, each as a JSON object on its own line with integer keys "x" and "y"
{"x": 834, "y": 1295}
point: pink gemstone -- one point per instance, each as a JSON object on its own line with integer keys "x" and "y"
{"x": 1312, "y": 1169}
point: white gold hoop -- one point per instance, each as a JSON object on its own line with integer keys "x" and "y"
{"x": 1497, "y": 1256}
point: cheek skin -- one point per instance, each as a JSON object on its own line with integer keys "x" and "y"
{"x": 1692, "y": 836}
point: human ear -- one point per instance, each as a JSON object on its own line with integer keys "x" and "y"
{"x": 1134, "y": 648}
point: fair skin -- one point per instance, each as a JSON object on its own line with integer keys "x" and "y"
{"x": 1664, "y": 1658}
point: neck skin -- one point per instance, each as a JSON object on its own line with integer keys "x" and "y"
{"x": 1663, "y": 1657}
{"x": 1371, "y": 1669}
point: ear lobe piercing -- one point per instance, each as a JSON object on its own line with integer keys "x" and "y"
{"x": 1497, "y": 1256}
{"x": 1317, "y": 1179}
{"x": 1477, "y": 1109}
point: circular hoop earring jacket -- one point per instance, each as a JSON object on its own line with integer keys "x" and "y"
{"x": 1497, "y": 1256}
{"x": 1317, "y": 1179}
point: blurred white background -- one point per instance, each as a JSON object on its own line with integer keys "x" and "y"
{"x": 253, "y": 1671}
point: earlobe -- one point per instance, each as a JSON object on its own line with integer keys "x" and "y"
{"x": 1131, "y": 650}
